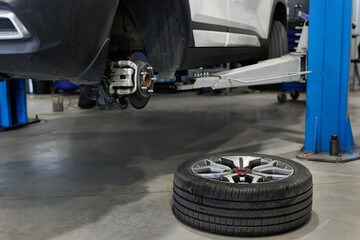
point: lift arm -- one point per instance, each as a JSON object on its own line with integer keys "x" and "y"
{"x": 289, "y": 68}
{"x": 279, "y": 70}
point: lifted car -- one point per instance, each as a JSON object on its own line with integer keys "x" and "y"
{"x": 120, "y": 45}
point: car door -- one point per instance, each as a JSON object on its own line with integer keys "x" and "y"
{"x": 210, "y": 22}
{"x": 248, "y": 20}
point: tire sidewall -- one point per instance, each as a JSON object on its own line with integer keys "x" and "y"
{"x": 278, "y": 42}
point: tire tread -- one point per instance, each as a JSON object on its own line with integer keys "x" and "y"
{"x": 243, "y": 209}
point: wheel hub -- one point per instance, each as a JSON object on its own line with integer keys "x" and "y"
{"x": 242, "y": 171}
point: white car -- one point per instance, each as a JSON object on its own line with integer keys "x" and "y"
{"x": 83, "y": 40}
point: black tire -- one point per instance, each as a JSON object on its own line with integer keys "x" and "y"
{"x": 278, "y": 43}
{"x": 84, "y": 101}
{"x": 295, "y": 95}
{"x": 282, "y": 98}
{"x": 257, "y": 209}
{"x": 278, "y": 46}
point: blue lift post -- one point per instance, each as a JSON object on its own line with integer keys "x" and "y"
{"x": 328, "y": 85}
{"x": 13, "y": 105}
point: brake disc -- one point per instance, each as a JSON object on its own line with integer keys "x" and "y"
{"x": 145, "y": 83}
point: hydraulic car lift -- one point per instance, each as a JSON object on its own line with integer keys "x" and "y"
{"x": 13, "y": 108}
{"x": 328, "y": 128}
{"x": 328, "y": 86}
{"x": 289, "y": 68}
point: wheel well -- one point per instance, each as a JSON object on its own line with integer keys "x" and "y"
{"x": 280, "y": 13}
{"x": 125, "y": 36}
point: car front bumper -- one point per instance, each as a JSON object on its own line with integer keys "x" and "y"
{"x": 64, "y": 39}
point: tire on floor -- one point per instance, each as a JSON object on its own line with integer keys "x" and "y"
{"x": 240, "y": 208}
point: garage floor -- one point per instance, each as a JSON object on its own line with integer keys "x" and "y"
{"x": 108, "y": 174}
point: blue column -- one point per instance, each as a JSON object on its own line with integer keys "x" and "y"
{"x": 327, "y": 86}
{"x": 13, "y": 105}
{"x": 5, "y": 104}
{"x": 18, "y": 92}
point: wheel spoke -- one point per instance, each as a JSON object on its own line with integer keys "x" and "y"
{"x": 214, "y": 175}
{"x": 271, "y": 176}
{"x": 236, "y": 161}
{"x": 209, "y": 169}
{"x": 250, "y": 161}
{"x": 209, "y": 166}
{"x": 219, "y": 166}
{"x": 274, "y": 170}
{"x": 264, "y": 166}
{"x": 255, "y": 177}
{"x": 230, "y": 177}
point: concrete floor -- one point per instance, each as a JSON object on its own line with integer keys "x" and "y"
{"x": 99, "y": 174}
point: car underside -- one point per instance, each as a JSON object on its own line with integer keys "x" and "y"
{"x": 89, "y": 42}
